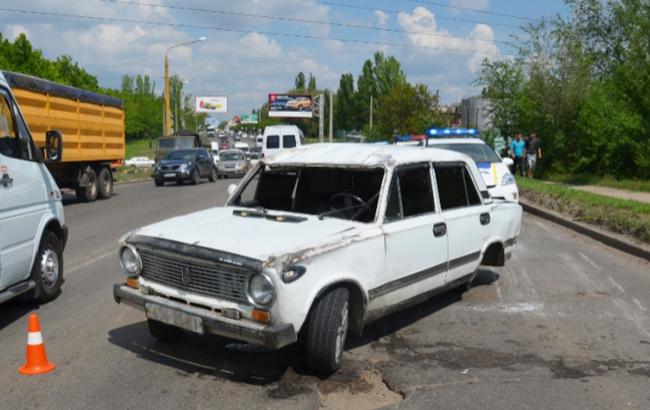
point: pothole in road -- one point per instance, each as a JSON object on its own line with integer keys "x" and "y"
{"x": 458, "y": 358}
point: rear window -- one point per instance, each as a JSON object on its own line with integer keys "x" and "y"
{"x": 273, "y": 142}
{"x": 288, "y": 141}
{"x": 478, "y": 152}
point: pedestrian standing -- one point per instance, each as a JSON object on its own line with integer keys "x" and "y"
{"x": 533, "y": 153}
{"x": 518, "y": 148}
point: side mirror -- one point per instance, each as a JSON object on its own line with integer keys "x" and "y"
{"x": 53, "y": 145}
{"x": 232, "y": 188}
{"x": 507, "y": 161}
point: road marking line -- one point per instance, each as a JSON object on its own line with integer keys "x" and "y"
{"x": 638, "y": 303}
{"x": 588, "y": 260}
{"x": 91, "y": 261}
{"x": 616, "y": 285}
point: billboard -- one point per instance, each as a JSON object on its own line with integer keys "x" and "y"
{"x": 248, "y": 119}
{"x": 212, "y": 105}
{"x": 290, "y": 105}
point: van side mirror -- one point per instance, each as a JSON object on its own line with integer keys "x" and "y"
{"x": 232, "y": 188}
{"x": 53, "y": 145}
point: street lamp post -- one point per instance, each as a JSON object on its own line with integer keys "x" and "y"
{"x": 168, "y": 112}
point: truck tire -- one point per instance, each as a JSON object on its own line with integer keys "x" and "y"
{"x": 47, "y": 271}
{"x": 213, "y": 175}
{"x": 163, "y": 331}
{"x": 89, "y": 192}
{"x": 105, "y": 183}
{"x": 327, "y": 331}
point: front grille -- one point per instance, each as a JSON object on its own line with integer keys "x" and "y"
{"x": 209, "y": 278}
{"x": 168, "y": 168}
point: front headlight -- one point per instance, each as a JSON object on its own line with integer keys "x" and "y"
{"x": 260, "y": 289}
{"x": 130, "y": 260}
{"x": 507, "y": 179}
{"x": 183, "y": 167}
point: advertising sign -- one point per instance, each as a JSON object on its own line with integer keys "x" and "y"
{"x": 212, "y": 105}
{"x": 290, "y": 105}
{"x": 248, "y": 119}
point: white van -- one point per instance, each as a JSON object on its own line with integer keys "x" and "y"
{"x": 242, "y": 146}
{"x": 281, "y": 137}
{"x": 32, "y": 226}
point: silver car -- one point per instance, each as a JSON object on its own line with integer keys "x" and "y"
{"x": 232, "y": 162}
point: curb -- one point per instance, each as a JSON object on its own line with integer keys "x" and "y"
{"x": 598, "y": 235}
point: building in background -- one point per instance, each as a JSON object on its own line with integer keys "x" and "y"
{"x": 475, "y": 113}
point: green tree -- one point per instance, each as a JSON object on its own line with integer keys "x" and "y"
{"x": 367, "y": 87}
{"x": 406, "y": 109}
{"x": 299, "y": 82}
{"x": 345, "y": 103}
{"x": 388, "y": 73}
{"x": 311, "y": 88}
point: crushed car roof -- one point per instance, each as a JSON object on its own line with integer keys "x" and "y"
{"x": 366, "y": 155}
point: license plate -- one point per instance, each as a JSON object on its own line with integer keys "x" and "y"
{"x": 174, "y": 317}
{"x": 230, "y": 165}
{"x": 169, "y": 175}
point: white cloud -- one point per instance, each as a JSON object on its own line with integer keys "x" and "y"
{"x": 14, "y": 30}
{"x": 456, "y": 5}
{"x": 382, "y": 17}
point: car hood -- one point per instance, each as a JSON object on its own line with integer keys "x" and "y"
{"x": 172, "y": 162}
{"x": 255, "y": 237}
{"x": 492, "y": 172}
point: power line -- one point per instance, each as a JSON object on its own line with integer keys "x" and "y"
{"x": 241, "y": 31}
{"x": 298, "y": 20}
{"x": 471, "y": 9}
{"x": 393, "y": 11}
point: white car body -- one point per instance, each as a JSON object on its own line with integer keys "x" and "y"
{"x": 385, "y": 263}
{"x": 243, "y": 146}
{"x": 30, "y": 202}
{"x": 496, "y": 173}
{"x": 278, "y": 138}
{"x": 140, "y": 162}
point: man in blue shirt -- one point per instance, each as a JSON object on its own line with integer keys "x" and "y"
{"x": 518, "y": 148}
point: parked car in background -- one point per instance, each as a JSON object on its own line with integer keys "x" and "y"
{"x": 318, "y": 242}
{"x": 277, "y": 138}
{"x": 495, "y": 170}
{"x": 232, "y": 162}
{"x": 185, "y": 165}
{"x": 140, "y": 162}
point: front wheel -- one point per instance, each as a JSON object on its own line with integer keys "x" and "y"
{"x": 89, "y": 192}
{"x": 327, "y": 331}
{"x": 196, "y": 178}
{"x": 47, "y": 272}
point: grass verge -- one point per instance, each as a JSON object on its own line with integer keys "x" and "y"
{"x": 621, "y": 216}
{"x": 605, "y": 181}
{"x": 125, "y": 174}
{"x": 141, "y": 148}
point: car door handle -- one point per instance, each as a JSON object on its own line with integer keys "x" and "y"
{"x": 485, "y": 218}
{"x": 6, "y": 180}
{"x": 439, "y": 230}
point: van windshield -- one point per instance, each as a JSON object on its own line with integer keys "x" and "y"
{"x": 345, "y": 193}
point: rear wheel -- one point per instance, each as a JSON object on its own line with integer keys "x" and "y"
{"x": 89, "y": 192}
{"x": 163, "y": 331}
{"x": 327, "y": 331}
{"x": 213, "y": 175}
{"x": 196, "y": 178}
{"x": 47, "y": 271}
{"x": 105, "y": 183}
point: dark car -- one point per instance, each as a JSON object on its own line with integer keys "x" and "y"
{"x": 185, "y": 165}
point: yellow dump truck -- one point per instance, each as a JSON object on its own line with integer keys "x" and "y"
{"x": 92, "y": 129}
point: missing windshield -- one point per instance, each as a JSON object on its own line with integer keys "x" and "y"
{"x": 347, "y": 193}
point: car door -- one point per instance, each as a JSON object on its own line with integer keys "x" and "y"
{"x": 416, "y": 243}
{"x": 465, "y": 216}
{"x": 23, "y": 195}
{"x": 204, "y": 162}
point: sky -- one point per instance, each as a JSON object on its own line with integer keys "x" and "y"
{"x": 256, "y": 47}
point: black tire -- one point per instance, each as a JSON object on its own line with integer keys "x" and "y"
{"x": 159, "y": 182}
{"x": 213, "y": 175}
{"x": 196, "y": 177}
{"x": 105, "y": 183}
{"x": 47, "y": 271}
{"x": 163, "y": 331}
{"x": 327, "y": 331}
{"x": 89, "y": 192}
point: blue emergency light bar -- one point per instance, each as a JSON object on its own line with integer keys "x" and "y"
{"x": 452, "y": 132}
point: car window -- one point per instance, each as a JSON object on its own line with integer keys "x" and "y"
{"x": 456, "y": 188}
{"x": 288, "y": 141}
{"x": 273, "y": 142}
{"x": 411, "y": 193}
{"x": 9, "y": 142}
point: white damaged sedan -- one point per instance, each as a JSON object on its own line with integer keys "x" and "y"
{"x": 344, "y": 234}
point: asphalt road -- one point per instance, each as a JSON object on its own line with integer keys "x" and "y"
{"x": 565, "y": 325}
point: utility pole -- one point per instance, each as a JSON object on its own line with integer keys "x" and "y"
{"x": 168, "y": 112}
{"x": 321, "y": 114}
{"x": 331, "y": 124}
{"x": 371, "y": 113}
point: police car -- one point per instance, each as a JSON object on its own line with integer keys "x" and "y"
{"x": 494, "y": 169}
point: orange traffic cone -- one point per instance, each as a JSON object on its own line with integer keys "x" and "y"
{"x": 36, "y": 358}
